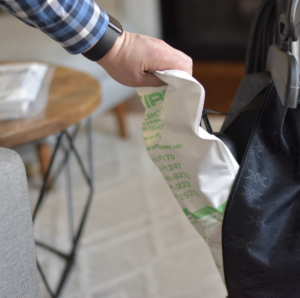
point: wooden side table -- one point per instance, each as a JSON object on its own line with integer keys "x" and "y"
{"x": 73, "y": 96}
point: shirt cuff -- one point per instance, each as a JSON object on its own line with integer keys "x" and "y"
{"x": 81, "y": 29}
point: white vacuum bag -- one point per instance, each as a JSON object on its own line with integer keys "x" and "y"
{"x": 197, "y": 166}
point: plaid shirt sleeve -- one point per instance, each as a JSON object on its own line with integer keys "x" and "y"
{"x": 75, "y": 24}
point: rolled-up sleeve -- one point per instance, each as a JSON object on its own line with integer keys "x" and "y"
{"x": 75, "y": 24}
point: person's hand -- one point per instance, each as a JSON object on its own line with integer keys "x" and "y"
{"x": 133, "y": 59}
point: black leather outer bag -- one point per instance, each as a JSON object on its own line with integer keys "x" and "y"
{"x": 261, "y": 228}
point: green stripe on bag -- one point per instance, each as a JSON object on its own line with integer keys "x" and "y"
{"x": 206, "y": 211}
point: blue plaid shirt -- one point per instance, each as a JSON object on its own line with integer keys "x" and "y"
{"x": 75, "y": 24}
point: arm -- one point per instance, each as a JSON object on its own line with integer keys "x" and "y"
{"x": 75, "y": 24}
{"x": 79, "y": 24}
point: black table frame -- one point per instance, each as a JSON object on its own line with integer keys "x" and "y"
{"x": 88, "y": 176}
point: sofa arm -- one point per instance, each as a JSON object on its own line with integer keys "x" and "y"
{"x": 18, "y": 271}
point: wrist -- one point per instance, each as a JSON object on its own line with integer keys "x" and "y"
{"x": 106, "y": 42}
{"x": 112, "y": 54}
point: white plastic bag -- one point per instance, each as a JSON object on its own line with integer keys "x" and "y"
{"x": 24, "y": 89}
{"x": 197, "y": 166}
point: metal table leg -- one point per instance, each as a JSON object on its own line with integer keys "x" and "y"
{"x": 88, "y": 177}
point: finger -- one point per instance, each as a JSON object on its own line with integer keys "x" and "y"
{"x": 150, "y": 80}
{"x": 175, "y": 60}
{"x": 185, "y": 63}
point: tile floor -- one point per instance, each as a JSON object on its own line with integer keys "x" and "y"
{"x": 137, "y": 242}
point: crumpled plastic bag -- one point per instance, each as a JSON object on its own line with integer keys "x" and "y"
{"x": 197, "y": 166}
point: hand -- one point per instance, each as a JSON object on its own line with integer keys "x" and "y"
{"x": 133, "y": 59}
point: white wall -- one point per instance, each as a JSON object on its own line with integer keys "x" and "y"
{"x": 140, "y": 16}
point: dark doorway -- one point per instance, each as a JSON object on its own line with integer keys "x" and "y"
{"x": 208, "y": 29}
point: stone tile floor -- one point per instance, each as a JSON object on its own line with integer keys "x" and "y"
{"x": 137, "y": 242}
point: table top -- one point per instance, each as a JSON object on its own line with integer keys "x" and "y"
{"x": 73, "y": 96}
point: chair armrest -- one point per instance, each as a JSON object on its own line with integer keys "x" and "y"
{"x": 18, "y": 271}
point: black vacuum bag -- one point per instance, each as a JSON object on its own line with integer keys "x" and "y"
{"x": 261, "y": 227}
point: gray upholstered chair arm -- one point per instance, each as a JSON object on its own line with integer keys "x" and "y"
{"x": 18, "y": 272}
